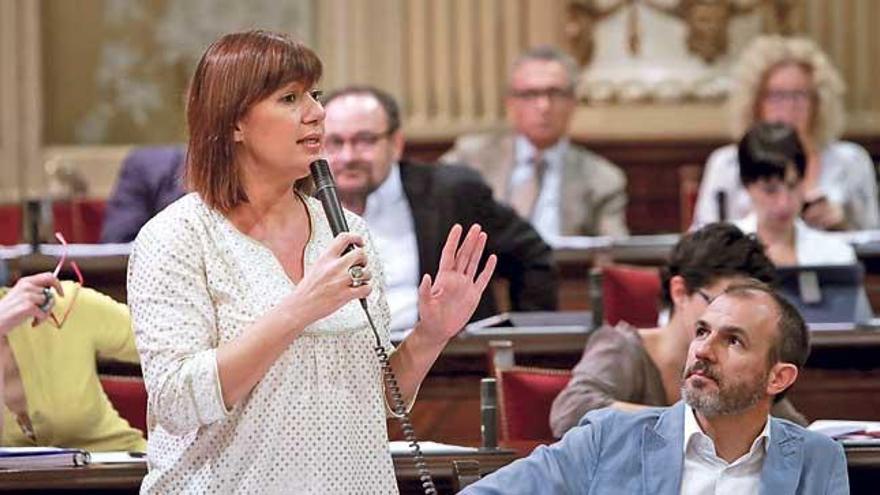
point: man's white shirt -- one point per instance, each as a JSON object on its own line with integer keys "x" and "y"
{"x": 707, "y": 474}
{"x": 390, "y": 219}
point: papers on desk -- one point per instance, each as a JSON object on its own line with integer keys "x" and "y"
{"x": 41, "y": 457}
{"x": 579, "y": 242}
{"x": 430, "y": 448}
{"x": 118, "y": 457}
{"x": 849, "y": 432}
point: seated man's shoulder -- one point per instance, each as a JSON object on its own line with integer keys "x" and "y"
{"x": 615, "y": 423}
{"x": 597, "y": 165}
{"x": 481, "y": 141}
{"x": 815, "y": 446}
{"x": 155, "y": 156}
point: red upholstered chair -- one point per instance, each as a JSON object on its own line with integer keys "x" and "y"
{"x": 525, "y": 395}
{"x": 688, "y": 190}
{"x": 625, "y": 293}
{"x": 129, "y": 397}
{"x": 80, "y": 220}
{"x": 10, "y": 224}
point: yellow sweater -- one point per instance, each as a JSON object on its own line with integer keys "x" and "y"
{"x": 66, "y": 404}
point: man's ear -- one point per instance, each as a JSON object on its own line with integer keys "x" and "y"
{"x": 780, "y": 377}
{"x": 677, "y": 290}
{"x": 397, "y": 144}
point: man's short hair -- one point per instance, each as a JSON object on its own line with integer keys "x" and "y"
{"x": 714, "y": 251}
{"x": 389, "y": 104}
{"x": 546, "y": 53}
{"x": 792, "y": 341}
{"x": 767, "y": 150}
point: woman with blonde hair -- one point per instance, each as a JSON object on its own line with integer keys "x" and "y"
{"x": 791, "y": 81}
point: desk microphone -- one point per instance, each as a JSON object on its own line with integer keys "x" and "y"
{"x": 721, "y": 202}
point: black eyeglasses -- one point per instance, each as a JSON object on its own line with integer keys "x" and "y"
{"x": 553, "y": 94}
{"x": 706, "y": 297}
{"x": 362, "y": 141}
{"x": 796, "y": 96}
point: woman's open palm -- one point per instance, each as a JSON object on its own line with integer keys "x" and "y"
{"x": 447, "y": 302}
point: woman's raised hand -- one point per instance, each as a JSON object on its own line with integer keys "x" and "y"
{"x": 447, "y": 302}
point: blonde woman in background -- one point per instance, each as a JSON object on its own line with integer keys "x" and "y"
{"x": 791, "y": 81}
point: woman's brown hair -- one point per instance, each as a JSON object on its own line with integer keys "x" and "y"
{"x": 235, "y": 72}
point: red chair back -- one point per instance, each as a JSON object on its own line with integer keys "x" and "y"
{"x": 129, "y": 397}
{"x": 524, "y": 397}
{"x": 80, "y": 220}
{"x": 630, "y": 294}
{"x": 10, "y": 224}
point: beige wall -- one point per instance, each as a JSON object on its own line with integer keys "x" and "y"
{"x": 445, "y": 59}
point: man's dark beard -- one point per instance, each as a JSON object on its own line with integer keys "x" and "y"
{"x": 352, "y": 198}
{"x": 726, "y": 400}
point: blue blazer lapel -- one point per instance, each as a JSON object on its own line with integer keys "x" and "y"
{"x": 784, "y": 461}
{"x": 662, "y": 457}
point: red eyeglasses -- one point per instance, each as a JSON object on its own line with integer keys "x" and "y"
{"x": 79, "y": 278}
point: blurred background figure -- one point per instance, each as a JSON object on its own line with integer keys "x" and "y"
{"x": 772, "y": 164}
{"x": 150, "y": 180}
{"x": 51, "y": 335}
{"x": 561, "y": 187}
{"x": 409, "y": 208}
{"x": 790, "y": 80}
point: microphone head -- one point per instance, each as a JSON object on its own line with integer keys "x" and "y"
{"x": 321, "y": 174}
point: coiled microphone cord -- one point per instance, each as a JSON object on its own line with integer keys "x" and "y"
{"x": 409, "y": 432}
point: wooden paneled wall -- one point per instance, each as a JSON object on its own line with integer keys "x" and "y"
{"x": 446, "y": 60}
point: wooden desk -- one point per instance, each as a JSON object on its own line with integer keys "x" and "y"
{"x": 126, "y": 478}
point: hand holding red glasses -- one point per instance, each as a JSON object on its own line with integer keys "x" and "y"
{"x": 28, "y": 299}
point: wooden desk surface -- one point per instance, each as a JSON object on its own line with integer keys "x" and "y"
{"x": 126, "y": 478}
{"x": 863, "y": 463}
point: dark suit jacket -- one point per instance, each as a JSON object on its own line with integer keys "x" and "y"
{"x": 442, "y": 195}
{"x": 149, "y": 181}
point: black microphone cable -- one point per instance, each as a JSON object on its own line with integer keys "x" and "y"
{"x": 325, "y": 191}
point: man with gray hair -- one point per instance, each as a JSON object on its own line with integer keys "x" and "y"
{"x": 561, "y": 187}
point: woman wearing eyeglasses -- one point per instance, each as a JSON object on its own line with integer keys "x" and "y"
{"x": 51, "y": 334}
{"x": 791, "y": 81}
{"x": 259, "y": 361}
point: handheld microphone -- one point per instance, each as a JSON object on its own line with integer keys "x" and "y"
{"x": 325, "y": 191}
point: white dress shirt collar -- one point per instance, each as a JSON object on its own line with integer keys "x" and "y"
{"x": 392, "y": 228}
{"x": 704, "y": 473}
{"x": 692, "y": 429}
{"x": 524, "y": 150}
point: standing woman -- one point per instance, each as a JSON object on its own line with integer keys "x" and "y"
{"x": 258, "y": 359}
{"x": 791, "y": 81}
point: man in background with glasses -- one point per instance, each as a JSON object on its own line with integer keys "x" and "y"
{"x": 410, "y": 207}
{"x": 562, "y": 188}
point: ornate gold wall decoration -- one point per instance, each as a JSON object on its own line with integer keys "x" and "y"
{"x": 666, "y": 50}
{"x": 707, "y": 23}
